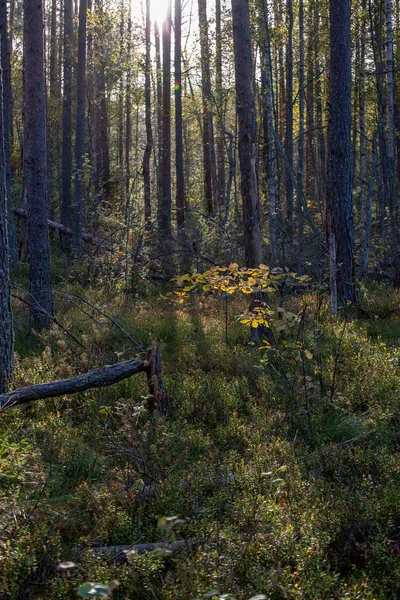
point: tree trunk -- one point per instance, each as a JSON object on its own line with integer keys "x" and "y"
{"x": 101, "y": 150}
{"x": 34, "y": 164}
{"x": 149, "y": 132}
{"x": 220, "y": 104}
{"x": 80, "y": 132}
{"x": 6, "y": 324}
{"x": 180, "y": 176}
{"x": 128, "y": 124}
{"x": 363, "y": 132}
{"x": 5, "y": 65}
{"x": 339, "y": 193}
{"x": 164, "y": 216}
{"x": 52, "y": 115}
{"x": 66, "y": 203}
{"x": 159, "y": 115}
{"x": 210, "y": 188}
{"x": 245, "y": 107}
{"x": 300, "y": 149}
{"x": 390, "y": 75}
{"x": 269, "y": 139}
{"x": 289, "y": 124}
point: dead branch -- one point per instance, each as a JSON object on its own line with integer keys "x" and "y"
{"x": 101, "y": 377}
{"x": 90, "y": 239}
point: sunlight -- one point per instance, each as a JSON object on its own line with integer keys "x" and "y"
{"x": 159, "y": 10}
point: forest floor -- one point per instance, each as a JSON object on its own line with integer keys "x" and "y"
{"x": 282, "y": 464}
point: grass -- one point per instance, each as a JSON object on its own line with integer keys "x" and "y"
{"x": 287, "y": 471}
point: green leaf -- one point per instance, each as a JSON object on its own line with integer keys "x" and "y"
{"x": 97, "y": 590}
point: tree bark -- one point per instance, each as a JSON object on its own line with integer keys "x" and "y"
{"x": 300, "y": 148}
{"x": 34, "y": 164}
{"x": 5, "y": 65}
{"x": 210, "y": 191}
{"x": 289, "y": 123}
{"x": 80, "y": 133}
{"x": 149, "y": 131}
{"x": 164, "y": 216}
{"x": 6, "y": 323}
{"x": 67, "y": 231}
{"x": 220, "y": 104}
{"x": 102, "y": 377}
{"x": 269, "y": 140}
{"x": 245, "y": 108}
{"x": 180, "y": 176}
{"x": 66, "y": 213}
{"x": 339, "y": 193}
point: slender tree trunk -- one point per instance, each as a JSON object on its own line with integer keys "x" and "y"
{"x": 52, "y": 116}
{"x": 100, "y": 109}
{"x": 208, "y": 141}
{"x": 300, "y": 150}
{"x": 149, "y": 131}
{"x": 5, "y": 65}
{"x": 164, "y": 216}
{"x": 180, "y": 177}
{"x": 220, "y": 104}
{"x": 121, "y": 89}
{"x": 245, "y": 107}
{"x": 289, "y": 123}
{"x": 128, "y": 124}
{"x": 310, "y": 187}
{"x": 390, "y": 75}
{"x": 10, "y": 51}
{"x": 66, "y": 203}
{"x": 269, "y": 139}
{"x": 339, "y": 193}
{"x": 159, "y": 116}
{"x": 34, "y": 164}
{"x": 363, "y": 132}
{"x": 80, "y": 132}
{"x": 6, "y": 323}
{"x": 368, "y": 210}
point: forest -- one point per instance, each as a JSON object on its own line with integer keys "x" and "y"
{"x": 199, "y": 299}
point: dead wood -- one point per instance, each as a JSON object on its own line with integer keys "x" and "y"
{"x": 90, "y": 239}
{"x": 101, "y": 377}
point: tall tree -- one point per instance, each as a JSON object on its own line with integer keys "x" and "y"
{"x": 164, "y": 215}
{"x": 390, "y": 75}
{"x": 101, "y": 143}
{"x": 80, "y": 132}
{"x": 66, "y": 199}
{"x": 339, "y": 193}
{"x": 149, "y": 131}
{"x": 269, "y": 141}
{"x": 245, "y": 107}
{"x": 52, "y": 114}
{"x": 6, "y": 324}
{"x": 289, "y": 122}
{"x": 5, "y": 65}
{"x": 220, "y": 103}
{"x": 180, "y": 177}
{"x": 34, "y": 164}
{"x": 210, "y": 192}
{"x": 300, "y": 148}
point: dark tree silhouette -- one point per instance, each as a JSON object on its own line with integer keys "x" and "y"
{"x": 34, "y": 164}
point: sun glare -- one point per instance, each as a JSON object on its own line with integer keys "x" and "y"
{"x": 158, "y": 9}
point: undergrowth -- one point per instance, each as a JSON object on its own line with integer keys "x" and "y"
{"x": 281, "y": 463}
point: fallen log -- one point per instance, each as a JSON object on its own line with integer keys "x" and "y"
{"x": 90, "y": 239}
{"x": 101, "y": 377}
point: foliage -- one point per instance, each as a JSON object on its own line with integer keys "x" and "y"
{"x": 289, "y": 485}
